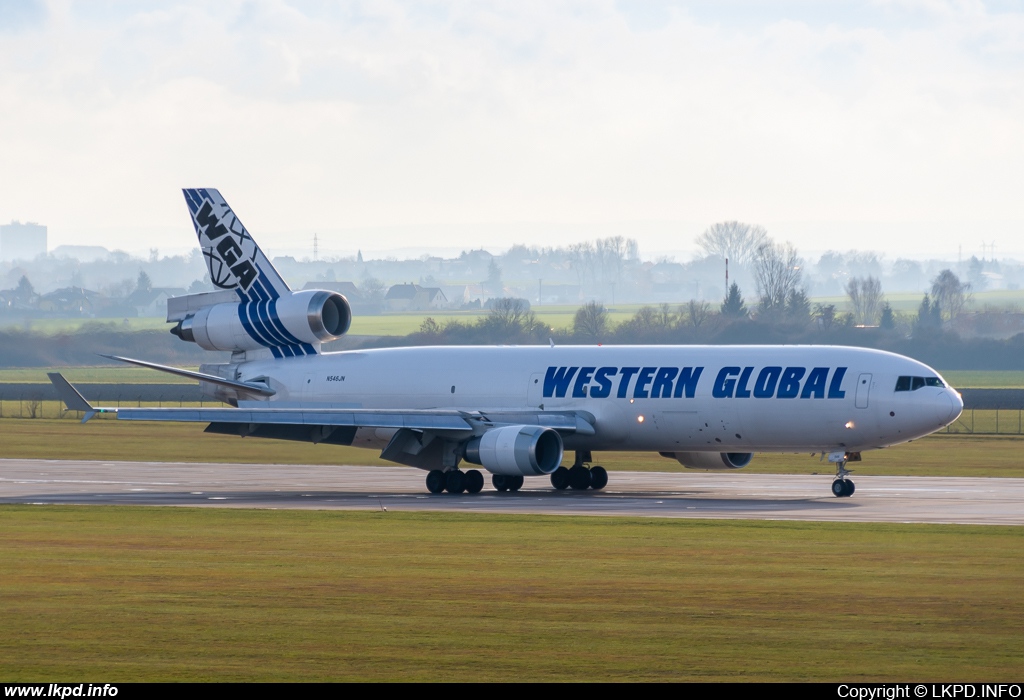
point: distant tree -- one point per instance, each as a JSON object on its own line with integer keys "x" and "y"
{"x": 590, "y": 321}
{"x": 929, "y": 314}
{"x": 493, "y": 283}
{"x": 430, "y": 328}
{"x": 143, "y": 283}
{"x": 950, "y": 293}
{"x": 734, "y": 240}
{"x": 510, "y": 317}
{"x": 776, "y": 274}
{"x": 373, "y": 289}
{"x": 798, "y": 307}
{"x": 865, "y": 295}
{"x": 825, "y": 315}
{"x": 888, "y": 319}
{"x": 697, "y": 313}
{"x": 24, "y": 291}
{"x": 733, "y": 307}
{"x": 976, "y": 274}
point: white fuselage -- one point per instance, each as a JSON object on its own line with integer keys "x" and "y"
{"x": 657, "y": 398}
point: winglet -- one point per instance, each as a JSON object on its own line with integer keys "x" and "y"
{"x": 70, "y": 395}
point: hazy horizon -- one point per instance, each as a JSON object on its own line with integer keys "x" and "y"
{"x": 891, "y": 126}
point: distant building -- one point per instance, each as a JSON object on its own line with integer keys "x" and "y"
{"x": 412, "y": 297}
{"x": 20, "y": 241}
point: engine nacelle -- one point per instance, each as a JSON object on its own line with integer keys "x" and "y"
{"x": 712, "y": 460}
{"x": 296, "y": 320}
{"x": 517, "y": 450}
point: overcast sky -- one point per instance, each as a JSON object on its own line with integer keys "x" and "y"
{"x": 889, "y": 125}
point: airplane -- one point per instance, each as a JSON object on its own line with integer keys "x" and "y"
{"x": 515, "y": 411}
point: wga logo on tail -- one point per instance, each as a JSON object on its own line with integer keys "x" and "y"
{"x": 227, "y": 247}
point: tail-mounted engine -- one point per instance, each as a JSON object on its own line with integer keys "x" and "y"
{"x": 517, "y": 450}
{"x": 294, "y": 324}
{"x": 711, "y": 460}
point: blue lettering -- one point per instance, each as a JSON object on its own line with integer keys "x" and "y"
{"x": 556, "y": 381}
{"x": 764, "y": 385}
{"x": 814, "y": 387}
{"x": 642, "y": 380}
{"x": 579, "y": 390}
{"x": 688, "y": 377}
{"x": 834, "y": 390}
{"x": 604, "y": 384}
{"x": 789, "y": 386}
{"x": 627, "y": 374}
{"x": 724, "y": 383}
{"x": 662, "y": 387}
{"x": 742, "y": 392}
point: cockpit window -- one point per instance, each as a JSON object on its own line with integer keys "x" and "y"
{"x": 915, "y": 383}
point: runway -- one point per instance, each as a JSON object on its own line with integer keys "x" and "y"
{"x": 735, "y": 495}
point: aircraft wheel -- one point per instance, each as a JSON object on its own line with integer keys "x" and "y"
{"x": 850, "y": 488}
{"x": 515, "y": 482}
{"x": 598, "y": 478}
{"x": 455, "y": 481}
{"x": 499, "y": 482}
{"x": 838, "y": 488}
{"x": 435, "y": 481}
{"x": 579, "y": 478}
{"x": 560, "y": 478}
{"x": 474, "y": 481}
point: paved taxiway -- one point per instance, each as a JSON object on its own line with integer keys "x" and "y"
{"x": 984, "y": 501}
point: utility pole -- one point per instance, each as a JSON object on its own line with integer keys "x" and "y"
{"x": 315, "y": 248}
{"x": 727, "y": 278}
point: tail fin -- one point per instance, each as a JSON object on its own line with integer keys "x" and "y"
{"x": 234, "y": 260}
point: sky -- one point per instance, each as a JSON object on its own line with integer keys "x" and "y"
{"x": 398, "y": 127}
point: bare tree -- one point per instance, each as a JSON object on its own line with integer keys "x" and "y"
{"x": 950, "y": 293}
{"x": 591, "y": 321}
{"x": 866, "y": 298}
{"x": 734, "y": 240}
{"x": 776, "y": 274}
{"x": 510, "y": 316}
{"x": 697, "y": 313}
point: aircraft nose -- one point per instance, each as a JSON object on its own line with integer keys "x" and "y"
{"x": 948, "y": 406}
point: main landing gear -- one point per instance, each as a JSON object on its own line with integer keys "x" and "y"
{"x": 455, "y": 481}
{"x": 842, "y": 487}
{"x": 579, "y": 477}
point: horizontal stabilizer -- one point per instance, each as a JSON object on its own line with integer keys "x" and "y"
{"x": 72, "y": 398}
{"x": 260, "y": 389}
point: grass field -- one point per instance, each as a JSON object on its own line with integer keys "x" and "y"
{"x": 937, "y": 455}
{"x": 120, "y": 594}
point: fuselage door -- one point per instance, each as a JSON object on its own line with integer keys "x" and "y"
{"x": 863, "y": 387}
{"x": 535, "y": 392}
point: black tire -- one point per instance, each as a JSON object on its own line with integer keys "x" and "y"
{"x": 579, "y": 478}
{"x": 455, "y": 481}
{"x": 598, "y": 478}
{"x": 474, "y": 481}
{"x": 850, "y": 488}
{"x": 838, "y": 488}
{"x": 435, "y": 481}
{"x": 500, "y": 482}
{"x": 560, "y": 478}
{"x": 515, "y": 482}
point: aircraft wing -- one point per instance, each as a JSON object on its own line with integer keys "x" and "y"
{"x": 433, "y": 420}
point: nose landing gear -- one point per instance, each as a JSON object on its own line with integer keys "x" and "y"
{"x": 842, "y": 487}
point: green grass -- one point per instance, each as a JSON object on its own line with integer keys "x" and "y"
{"x": 154, "y": 594}
{"x": 54, "y": 326}
{"x": 104, "y": 374}
{"x": 984, "y": 379}
{"x": 107, "y": 439}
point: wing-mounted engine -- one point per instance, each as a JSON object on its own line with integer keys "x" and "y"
{"x": 517, "y": 450}
{"x": 294, "y": 324}
{"x": 711, "y": 460}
